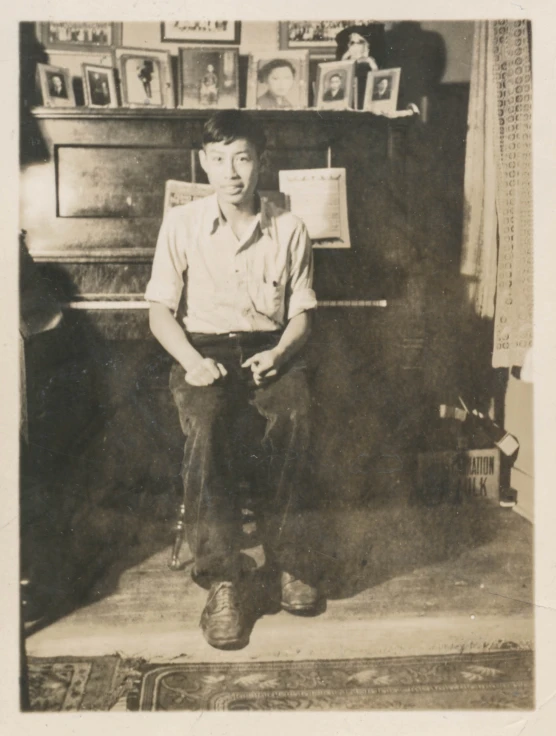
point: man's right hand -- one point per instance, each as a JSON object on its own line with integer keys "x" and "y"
{"x": 205, "y": 373}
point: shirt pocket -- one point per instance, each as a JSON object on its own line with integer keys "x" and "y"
{"x": 273, "y": 298}
{"x": 268, "y": 297}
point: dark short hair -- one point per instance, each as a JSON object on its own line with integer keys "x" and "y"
{"x": 265, "y": 70}
{"x": 226, "y": 126}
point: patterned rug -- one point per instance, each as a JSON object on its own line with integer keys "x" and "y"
{"x": 482, "y": 681}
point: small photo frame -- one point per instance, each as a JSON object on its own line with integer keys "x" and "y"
{"x": 99, "y": 86}
{"x": 55, "y": 86}
{"x": 80, "y": 36}
{"x": 201, "y": 31}
{"x": 335, "y": 85}
{"x": 381, "y": 91}
{"x": 278, "y": 80}
{"x": 208, "y": 78}
{"x": 145, "y": 78}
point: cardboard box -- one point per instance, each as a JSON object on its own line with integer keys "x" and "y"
{"x": 459, "y": 476}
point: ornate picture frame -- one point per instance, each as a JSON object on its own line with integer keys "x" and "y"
{"x": 145, "y": 78}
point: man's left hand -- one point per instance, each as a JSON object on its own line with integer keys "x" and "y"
{"x": 264, "y": 366}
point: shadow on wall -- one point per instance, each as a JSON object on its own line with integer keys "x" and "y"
{"x": 31, "y": 53}
{"x": 421, "y": 56}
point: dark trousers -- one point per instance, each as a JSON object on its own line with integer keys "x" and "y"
{"x": 231, "y": 421}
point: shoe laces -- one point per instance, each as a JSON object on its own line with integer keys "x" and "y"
{"x": 224, "y": 598}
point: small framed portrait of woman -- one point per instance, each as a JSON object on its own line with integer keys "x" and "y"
{"x": 208, "y": 78}
{"x": 145, "y": 78}
{"x": 381, "y": 91}
{"x": 55, "y": 86}
{"x": 99, "y": 86}
{"x": 278, "y": 80}
{"x": 335, "y": 85}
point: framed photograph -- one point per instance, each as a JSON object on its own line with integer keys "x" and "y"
{"x": 313, "y": 34}
{"x": 74, "y": 60}
{"x": 208, "y": 78}
{"x": 79, "y": 35}
{"x": 99, "y": 86}
{"x": 201, "y": 31}
{"x": 278, "y": 80}
{"x": 381, "y": 91}
{"x": 55, "y": 86}
{"x": 335, "y": 85}
{"x": 145, "y": 78}
{"x": 319, "y": 197}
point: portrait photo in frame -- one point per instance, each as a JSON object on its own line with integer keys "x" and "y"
{"x": 145, "y": 78}
{"x": 381, "y": 91}
{"x": 278, "y": 80}
{"x": 335, "y": 85}
{"x": 99, "y": 86}
{"x": 208, "y": 78}
{"x": 80, "y": 35}
{"x": 203, "y": 31}
{"x": 55, "y": 85}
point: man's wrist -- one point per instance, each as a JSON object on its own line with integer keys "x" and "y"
{"x": 279, "y": 356}
{"x": 191, "y": 361}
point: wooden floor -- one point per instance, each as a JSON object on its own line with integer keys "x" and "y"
{"x": 437, "y": 580}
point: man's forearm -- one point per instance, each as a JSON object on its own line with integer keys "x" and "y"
{"x": 294, "y": 337}
{"x": 172, "y": 337}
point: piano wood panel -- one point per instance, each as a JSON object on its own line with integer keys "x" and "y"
{"x": 108, "y": 181}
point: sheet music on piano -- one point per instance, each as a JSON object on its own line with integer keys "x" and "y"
{"x": 319, "y": 198}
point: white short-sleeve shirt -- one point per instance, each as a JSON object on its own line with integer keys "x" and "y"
{"x": 254, "y": 284}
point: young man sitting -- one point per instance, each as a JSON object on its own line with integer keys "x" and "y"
{"x": 246, "y": 270}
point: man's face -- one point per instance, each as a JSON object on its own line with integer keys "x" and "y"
{"x": 382, "y": 86}
{"x": 335, "y": 83}
{"x": 280, "y": 81}
{"x": 232, "y": 170}
{"x": 57, "y": 83}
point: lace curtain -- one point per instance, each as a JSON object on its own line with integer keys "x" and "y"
{"x": 497, "y": 253}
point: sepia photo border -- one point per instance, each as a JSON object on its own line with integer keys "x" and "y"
{"x": 111, "y": 73}
{"x": 382, "y": 106}
{"x": 166, "y": 77}
{"x": 299, "y": 55}
{"x": 188, "y": 51}
{"x": 323, "y": 70}
{"x": 47, "y": 99}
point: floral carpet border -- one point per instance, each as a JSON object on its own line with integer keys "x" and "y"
{"x": 482, "y": 681}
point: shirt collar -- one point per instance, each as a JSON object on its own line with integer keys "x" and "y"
{"x": 216, "y": 218}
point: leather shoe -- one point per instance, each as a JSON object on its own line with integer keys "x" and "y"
{"x": 297, "y": 596}
{"x": 223, "y": 620}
